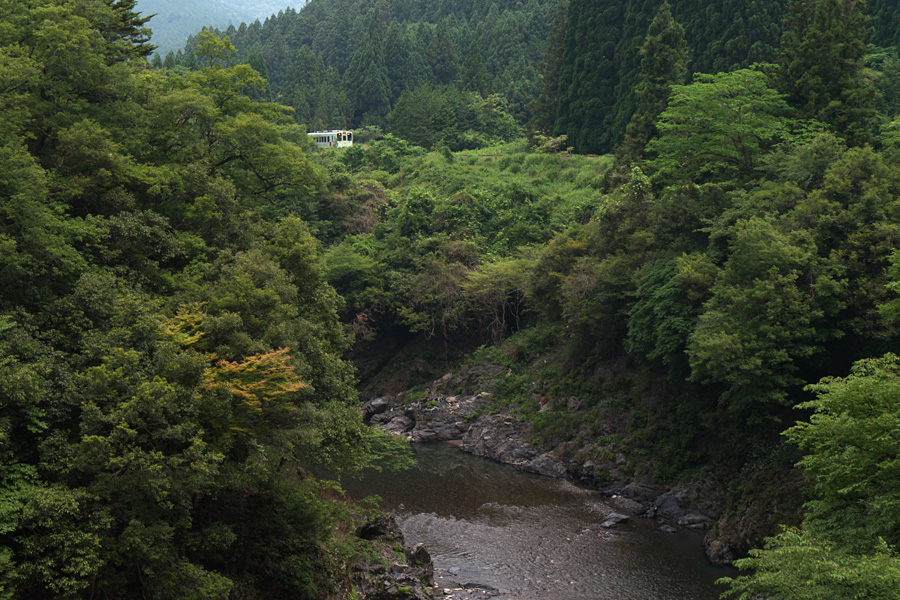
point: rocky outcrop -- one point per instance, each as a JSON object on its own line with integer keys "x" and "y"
{"x": 393, "y": 576}
{"x": 461, "y": 419}
{"x": 503, "y": 438}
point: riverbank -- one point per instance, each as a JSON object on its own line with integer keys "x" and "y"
{"x": 495, "y": 531}
{"x": 393, "y": 569}
{"x": 459, "y": 409}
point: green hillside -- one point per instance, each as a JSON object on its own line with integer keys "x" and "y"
{"x": 347, "y": 62}
{"x": 601, "y": 63}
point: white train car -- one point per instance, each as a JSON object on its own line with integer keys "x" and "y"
{"x": 334, "y": 138}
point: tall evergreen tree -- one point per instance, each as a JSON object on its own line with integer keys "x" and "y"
{"x": 821, "y": 63}
{"x": 664, "y": 62}
{"x": 544, "y": 108}
{"x": 886, "y": 15}
{"x": 127, "y": 31}
{"x": 473, "y": 76}
{"x": 367, "y": 82}
{"x": 588, "y": 78}
{"x": 405, "y": 60}
{"x": 443, "y": 55}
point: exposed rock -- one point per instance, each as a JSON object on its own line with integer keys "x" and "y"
{"x": 613, "y": 519}
{"x": 574, "y": 404}
{"x": 641, "y": 491}
{"x": 380, "y": 527}
{"x": 665, "y": 528}
{"x": 409, "y": 580}
{"x": 501, "y": 438}
{"x": 695, "y": 521}
{"x": 399, "y": 425}
{"x": 719, "y": 552}
{"x": 667, "y": 507}
{"x": 374, "y": 407}
{"x": 626, "y": 505}
{"x": 546, "y": 464}
{"x": 757, "y": 508}
{"x": 384, "y": 417}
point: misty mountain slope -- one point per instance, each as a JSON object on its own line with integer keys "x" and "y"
{"x": 175, "y": 20}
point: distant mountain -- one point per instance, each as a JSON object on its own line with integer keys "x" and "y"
{"x": 175, "y": 20}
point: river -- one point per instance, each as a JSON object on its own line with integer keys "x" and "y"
{"x": 527, "y": 537}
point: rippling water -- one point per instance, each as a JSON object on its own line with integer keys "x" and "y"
{"x": 534, "y": 538}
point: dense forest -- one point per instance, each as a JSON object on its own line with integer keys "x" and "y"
{"x": 343, "y": 63}
{"x": 184, "y": 275}
{"x": 354, "y": 63}
{"x": 170, "y": 355}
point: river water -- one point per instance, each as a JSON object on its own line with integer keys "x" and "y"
{"x": 529, "y": 537}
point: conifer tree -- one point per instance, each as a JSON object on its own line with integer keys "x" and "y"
{"x": 443, "y": 55}
{"x": 664, "y": 63}
{"x": 127, "y": 31}
{"x": 405, "y": 60}
{"x": 588, "y": 78}
{"x": 822, "y": 71}
{"x": 544, "y": 108}
{"x": 473, "y": 76}
{"x": 367, "y": 82}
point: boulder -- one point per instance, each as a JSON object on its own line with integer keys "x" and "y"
{"x": 667, "y": 507}
{"x": 399, "y": 425}
{"x": 641, "y": 491}
{"x": 695, "y": 521}
{"x": 374, "y": 407}
{"x": 545, "y": 464}
{"x": 419, "y": 558}
{"x": 719, "y": 552}
{"x": 612, "y": 519}
{"x": 384, "y": 417}
{"x": 626, "y": 505}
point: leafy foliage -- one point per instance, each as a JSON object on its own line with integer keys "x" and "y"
{"x": 150, "y": 432}
{"x": 846, "y": 546}
{"x": 719, "y": 125}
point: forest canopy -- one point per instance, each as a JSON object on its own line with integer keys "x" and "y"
{"x": 169, "y": 357}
